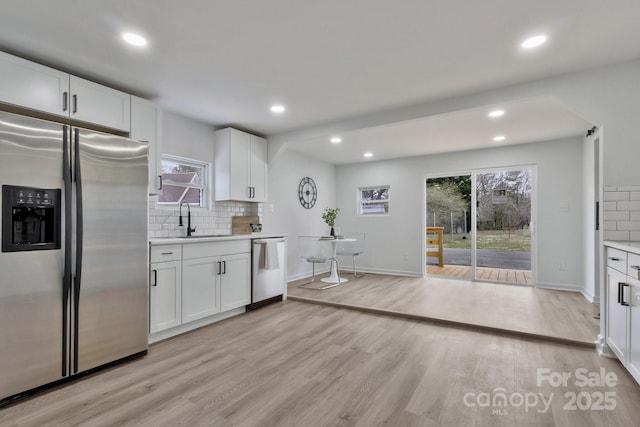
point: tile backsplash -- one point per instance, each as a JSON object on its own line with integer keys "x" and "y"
{"x": 622, "y": 213}
{"x": 163, "y": 219}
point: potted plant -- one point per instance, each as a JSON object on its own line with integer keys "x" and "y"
{"x": 329, "y": 216}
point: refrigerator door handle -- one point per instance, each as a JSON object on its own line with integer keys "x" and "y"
{"x": 79, "y": 240}
{"x": 66, "y": 279}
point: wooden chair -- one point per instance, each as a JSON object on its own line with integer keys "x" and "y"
{"x": 434, "y": 243}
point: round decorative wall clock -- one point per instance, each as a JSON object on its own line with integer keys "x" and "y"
{"x": 307, "y": 192}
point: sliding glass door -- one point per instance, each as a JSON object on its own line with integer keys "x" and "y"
{"x": 449, "y": 226}
{"x": 503, "y": 226}
{"x": 483, "y": 221}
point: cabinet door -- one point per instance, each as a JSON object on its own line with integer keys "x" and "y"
{"x": 235, "y": 282}
{"x": 239, "y": 171}
{"x": 94, "y": 103}
{"x": 146, "y": 121}
{"x": 231, "y": 154}
{"x": 33, "y": 86}
{"x": 258, "y": 169}
{"x": 165, "y": 296}
{"x": 617, "y": 314}
{"x": 200, "y": 288}
{"x": 634, "y": 329}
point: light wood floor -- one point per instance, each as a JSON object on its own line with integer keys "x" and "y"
{"x": 483, "y": 273}
{"x": 298, "y": 364}
{"x": 519, "y": 309}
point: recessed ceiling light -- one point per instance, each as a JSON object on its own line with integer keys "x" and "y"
{"x": 499, "y": 138}
{"x": 336, "y": 140}
{"x": 134, "y": 39}
{"x": 368, "y": 154}
{"x": 496, "y": 113}
{"x": 534, "y": 41}
{"x": 277, "y": 109}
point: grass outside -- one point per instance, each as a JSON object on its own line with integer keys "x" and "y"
{"x": 506, "y": 240}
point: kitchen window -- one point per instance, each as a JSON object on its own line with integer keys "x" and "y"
{"x": 183, "y": 180}
{"x": 374, "y": 200}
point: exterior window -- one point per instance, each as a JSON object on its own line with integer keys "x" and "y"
{"x": 374, "y": 200}
{"x": 183, "y": 180}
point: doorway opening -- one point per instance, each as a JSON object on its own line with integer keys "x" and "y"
{"x": 486, "y": 225}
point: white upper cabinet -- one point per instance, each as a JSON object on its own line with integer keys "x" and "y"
{"x": 258, "y": 168}
{"x": 146, "y": 125}
{"x": 240, "y": 166}
{"x": 94, "y": 103}
{"x": 26, "y": 84}
{"x": 34, "y": 86}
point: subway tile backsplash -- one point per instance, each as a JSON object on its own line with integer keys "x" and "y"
{"x": 163, "y": 219}
{"x": 622, "y": 213}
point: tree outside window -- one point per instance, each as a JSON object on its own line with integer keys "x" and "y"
{"x": 183, "y": 180}
{"x": 374, "y": 200}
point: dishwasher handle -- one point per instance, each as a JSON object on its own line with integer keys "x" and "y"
{"x": 262, "y": 241}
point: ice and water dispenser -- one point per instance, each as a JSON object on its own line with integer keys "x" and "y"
{"x": 30, "y": 218}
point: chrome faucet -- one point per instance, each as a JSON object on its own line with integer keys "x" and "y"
{"x": 189, "y": 229}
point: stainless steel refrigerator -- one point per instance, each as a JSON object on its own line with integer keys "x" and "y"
{"x": 73, "y": 266}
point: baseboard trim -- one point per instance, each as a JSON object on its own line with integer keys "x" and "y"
{"x": 181, "y": 329}
{"x": 590, "y": 297}
{"x": 451, "y": 323}
{"x": 348, "y": 270}
{"x": 603, "y": 349}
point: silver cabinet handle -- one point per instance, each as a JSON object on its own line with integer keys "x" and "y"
{"x": 65, "y": 101}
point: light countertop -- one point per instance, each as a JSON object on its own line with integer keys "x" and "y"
{"x": 633, "y": 247}
{"x": 216, "y": 238}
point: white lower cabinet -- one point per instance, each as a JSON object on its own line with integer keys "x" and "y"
{"x": 235, "y": 282}
{"x": 165, "y": 296}
{"x": 200, "y": 288}
{"x": 623, "y": 308}
{"x": 207, "y": 282}
{"x": 617, "y": 313}
{"x": 634, "y": 329}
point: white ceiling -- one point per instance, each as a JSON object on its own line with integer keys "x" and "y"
{"x": 226, "y": 61}
{"x": 530, "y": 120}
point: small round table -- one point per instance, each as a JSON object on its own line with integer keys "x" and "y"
{"x": 333, "y": 277}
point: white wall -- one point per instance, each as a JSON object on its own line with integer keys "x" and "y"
{"x": 193, "y": 139}
{"x": 186, "y": 137}
{"x": 286, "y": 169}
{"x": 395, "y": 242}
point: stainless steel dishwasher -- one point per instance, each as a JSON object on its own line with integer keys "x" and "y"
{"x": 269, "y": 271}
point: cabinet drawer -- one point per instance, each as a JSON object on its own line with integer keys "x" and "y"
{"x": 209, "y": 249}
{"x": 166, "y": 253}
{"x": 617, "y": 260}
{"x": 633, "y": 266}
